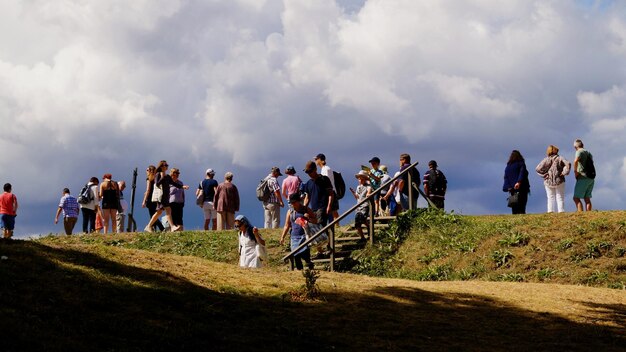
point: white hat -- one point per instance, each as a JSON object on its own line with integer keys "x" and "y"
{"x": 210, "y": 171}
{"x": 363, "y": 174}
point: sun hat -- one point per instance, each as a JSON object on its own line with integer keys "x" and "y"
{"x": 276, "y": 169}
{"x": 362, "y": 174}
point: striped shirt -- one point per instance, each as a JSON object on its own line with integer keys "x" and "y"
{"x": 273, "y": 186}
{"x": 69, "y": 205}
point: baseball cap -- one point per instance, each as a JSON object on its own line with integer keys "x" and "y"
{"x": 320, "y": 156}
{"x": 210, "y": 171}
{"x": 432, "y": 163}
{"x": 276, "y": 169}
{"x": 310, "y": 166}
{"x": 375, "y": 160}
{"x": 290, "y": 170}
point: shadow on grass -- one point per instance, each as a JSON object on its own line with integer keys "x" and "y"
{"x": 63, "y": 300}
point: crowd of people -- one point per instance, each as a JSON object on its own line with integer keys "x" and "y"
{"x": 552, "y": 169}
{"x": 314, "y": 202}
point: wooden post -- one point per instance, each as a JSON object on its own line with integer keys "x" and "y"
{"x": 331, "y": 244}
{"x": 410, "y": 185}
{"x": 370, "y": 225}
{"x": 292, "y": 260}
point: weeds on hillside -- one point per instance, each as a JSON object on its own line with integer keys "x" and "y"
{"x": 501, "y": 257}
{"x": 379, "y": 260}
{"x": 515, "y": 239}
{"x": 310, "y": 290}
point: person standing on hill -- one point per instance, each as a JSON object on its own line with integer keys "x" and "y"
{"x": 207, "y": 187}
{"x": 403, "y": 183}
{"x": 69, "y": 206}
{"x": 516, "y": 182}
{"x": 319, "y": 193}
{"x": 249, "y": 241}
{"x": 226, "y": 202}
{"x": 121, "y": 213}
{"x": 162, "y": 181}
{"x": 585, "y": 174}
{"x": 291, "y": 184}
{"x": 435, "y": 185}
{"x": 271, "y": 207}
{"x": 375, "y": 180}
{"x": 363, "y": 190}
{"x": 8, "y": 211}
{"x": 147, "y": 197}
{"x": 553, "y": 169}
{"x": 91, "y": 208}
{"x": 110, "y": 202}
{"x": 177, "y": 199}
{"x": 325, "y": 170}
{"x": 296, "y": 231}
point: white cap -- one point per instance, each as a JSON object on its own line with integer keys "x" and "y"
{"x": 210, "y": 171}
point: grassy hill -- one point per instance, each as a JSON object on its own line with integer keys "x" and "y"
{"x": 184, "y": 292}
{"x": 587, "y": 249}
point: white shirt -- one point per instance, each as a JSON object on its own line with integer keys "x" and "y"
{"x": 96, "y": 199}
{"x": 328, "y": 172}
{"x": 248, "y": 257}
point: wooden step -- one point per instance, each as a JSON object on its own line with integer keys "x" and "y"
{"x": 347, "y": 239}
{"x": 327, "y": 260}
{"x": 384, "y": 218}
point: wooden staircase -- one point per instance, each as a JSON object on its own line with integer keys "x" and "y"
{"x": 347, "y": 241}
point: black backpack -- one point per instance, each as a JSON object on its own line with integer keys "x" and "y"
{"x": 588, "y": 167}
{"x": 436, "y": 182}
{"x": 85, "y": 196}
{"x": 340, "y": 185}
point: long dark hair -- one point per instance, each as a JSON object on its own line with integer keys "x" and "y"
{"x": 515, "y": 156}
{"x": 249, "y": 228}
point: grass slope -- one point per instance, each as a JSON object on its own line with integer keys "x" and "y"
{"x": 587, "y": 249}
{"x": 91, "y": 293}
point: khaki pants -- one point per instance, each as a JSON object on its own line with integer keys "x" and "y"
{"x": 121, "y": 220}
{"x": 225, "y": 220}
{"x": 272, "y": 215}
{"x": 68, "y": 225}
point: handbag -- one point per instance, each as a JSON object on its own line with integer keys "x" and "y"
{"x": 200, "y": 199}
{"x": 513, "y": 200}
{"x": 310, "y": 230}
{"x": 261, "y": 252}
{"x": 157, "y": 194}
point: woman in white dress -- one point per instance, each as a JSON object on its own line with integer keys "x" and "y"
{"x": 251, "y": 244}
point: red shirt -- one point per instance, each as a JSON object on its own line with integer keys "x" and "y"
{"x": 7, "y": 202}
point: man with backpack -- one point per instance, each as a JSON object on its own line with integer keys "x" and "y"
{"x": 585, "y": 173}
{"x": 89, "y": 200}
{"x": 435, "y": 185}
{"x": 319, "y": 193}
{"x": 272, "y": 199}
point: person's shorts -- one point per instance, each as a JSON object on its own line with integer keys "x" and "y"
{"x": 334, "y": 206}
{"x": 360, "y": 218}
{"x": 583, "y": 188}
{"x": 7, "y": 222}
{"x": 209, "y": 211}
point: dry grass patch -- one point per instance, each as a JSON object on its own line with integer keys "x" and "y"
{"x": 96, "y": 297}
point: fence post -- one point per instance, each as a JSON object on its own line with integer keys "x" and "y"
{"x": 410, "y": 185}
{"x": 332, "y": 248}
{"x": 370, "y": 225}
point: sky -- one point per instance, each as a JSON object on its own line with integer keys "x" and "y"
{"x": 94, "y": 87}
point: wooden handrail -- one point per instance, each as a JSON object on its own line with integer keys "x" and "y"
{"x": 358, "y": 204}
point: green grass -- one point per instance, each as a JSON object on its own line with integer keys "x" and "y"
{"x": 563, "y": 248}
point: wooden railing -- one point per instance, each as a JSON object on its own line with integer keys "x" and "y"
{"x": 331, "y": 226}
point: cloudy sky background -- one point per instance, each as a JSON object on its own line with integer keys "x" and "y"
{"x": 89, "y": 87}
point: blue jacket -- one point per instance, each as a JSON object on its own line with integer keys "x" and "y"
{"x": 516, "y": 172}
